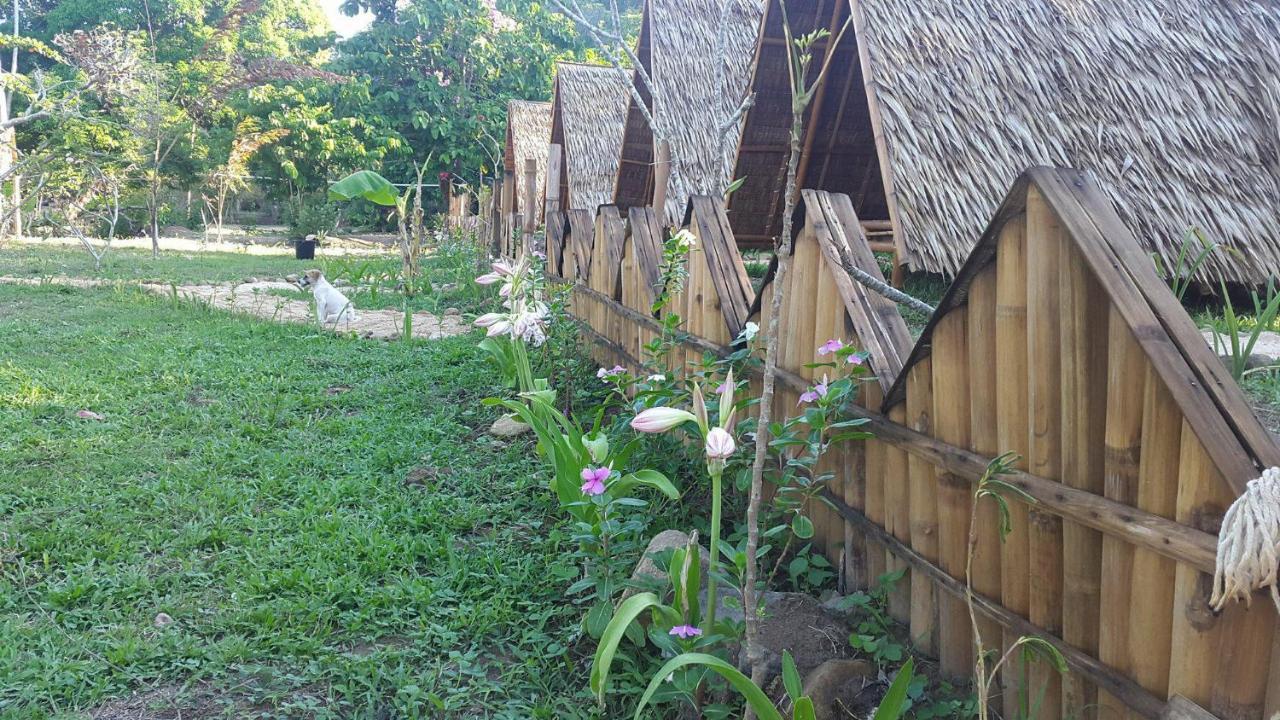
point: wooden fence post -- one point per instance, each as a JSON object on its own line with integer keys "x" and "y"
{"x": 554, "y": 172}
{"x": 530, "y": 199}
{"x": 661, "y": 173}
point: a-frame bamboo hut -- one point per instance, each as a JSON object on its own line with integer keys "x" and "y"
{"x": 1170, "y": 105}
{"x": 698, "y": 54}
{"x": 528, "y": 132}
{"x": 588, "y": 109}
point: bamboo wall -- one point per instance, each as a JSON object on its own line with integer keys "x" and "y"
{"x": 1058, "y": 342}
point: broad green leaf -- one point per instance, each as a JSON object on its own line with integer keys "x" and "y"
{"x": 802, "y": 526}
{"x": 627, "y": 612}
{"x": 650, "y": 478}
{"x": 895, "y": 699}
{"x": 365, "y": 184}
{"x": 791, "y": 677}
{"x": 754, "y": 696}
{"x": 804, "y": 710}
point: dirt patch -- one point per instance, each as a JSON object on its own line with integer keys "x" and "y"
{"x": 258, "y": 299}
{"x": 165, "y": 703}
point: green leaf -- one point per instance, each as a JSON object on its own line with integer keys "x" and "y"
{"x": 365, "y": 184}
{"x": 754, "y": 696}
{"x": 802, "y": 526}
{"x": 791, "y": 677}
{"x": 892, "y": 706}
{"x": 804, "y": 710}
{"x": 650, "y": 478}
{"x": 627, "y": 612}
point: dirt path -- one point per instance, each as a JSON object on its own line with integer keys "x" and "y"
{"x": 257, "y": 299}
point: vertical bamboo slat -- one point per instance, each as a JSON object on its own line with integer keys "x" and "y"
{"x": 1126, "y": 369}
{"x": 1012, "y": 433}
{"x": 984, "y": 440}
{"x": 951, "y": 425}
{"x": 876, "y": 485}
{"x": 923, "y": 506}
{"x": 1084, "y": 408}
{"x": 894, "y": 485}
{"x": 1044, "y": 398}
{"x": 1150, "y": 619}
{"x": 1203, "y": 498}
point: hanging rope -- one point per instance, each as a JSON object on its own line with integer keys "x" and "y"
{"x": 1249, "y": 543}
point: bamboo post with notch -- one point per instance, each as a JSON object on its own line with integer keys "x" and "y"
{"x": 1044, "y": 401}
{"x": 1150, "y": 619}
{"x": 874, "y": 472}
{"x": 530, "y": 202}
{"x": 951, "y": 425}
{"x": 661, "y": 175}
{"x": 923, "y": 504}
{"x": 1084, "y": 411}
{"x": 894, "y": 486}
{"x": 508, "y": 210}
{"x": 983, "y": 439}
{"x": 828, "y": 323}
{"x": 1126, "y": 370}
{"x": 1012, "y": 433}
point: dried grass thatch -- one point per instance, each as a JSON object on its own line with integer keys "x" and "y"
{"x": 528, "y": 133}
{"x": 1172, "y": 105}
{"x": 699, "y": 54}
{"x": 588, "y": 111}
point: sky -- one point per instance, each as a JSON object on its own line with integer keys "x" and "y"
{"x": 343, "y": 25}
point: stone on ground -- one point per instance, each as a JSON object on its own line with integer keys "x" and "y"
{"x": 834, "y": 686}
{"x": 647, "y": 571}
{"x": 507, "y": 426}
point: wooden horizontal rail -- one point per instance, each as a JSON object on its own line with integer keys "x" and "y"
{"x": 1132, "y": 694}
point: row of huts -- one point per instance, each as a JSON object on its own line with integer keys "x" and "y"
{"x": 927, "y": 113}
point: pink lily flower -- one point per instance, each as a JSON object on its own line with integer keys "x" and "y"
{"x": 488, "y": 319}
{"x": 684, "y": 632}
{"x": 594, "y": 480}
{"x": 719, "y": 444}
{"x": 489, "y": 279}
{"x": 660, "y": 419}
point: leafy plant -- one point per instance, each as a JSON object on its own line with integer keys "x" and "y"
{"x": 1182, "y": 271}
{"x": 1264, "y": 315}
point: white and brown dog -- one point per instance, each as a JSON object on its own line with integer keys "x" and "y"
{"x": 332, "y": 306}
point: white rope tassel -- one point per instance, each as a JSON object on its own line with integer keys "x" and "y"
{"x": 1249, "y": 543}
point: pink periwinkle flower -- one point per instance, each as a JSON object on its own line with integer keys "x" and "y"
{"x": 816, "y": 392}
{"x": 831, "y": 346}
{"x": 723, "y": 388}
{"x": 593, "y": 480}
{"x": 858, "y": 358}
{"x": 719, "y": 444}
{"x": 660, "y": 419}
{"x": 684, "y": 632}
{"x": 610, "y": 373}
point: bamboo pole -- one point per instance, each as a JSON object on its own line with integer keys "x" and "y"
{"x": 1044, "y": 397}
{"x": 1012, "y": 432}
{"x": 1150, "y": 621}
{"x": 828, "y": 323}
{"x": 1084, "y": 410}
{"x": 951, "y": 424}
{"x": 1203, "y": 498}
{"x": 984, "y": 440}
{"x": 877, "y": 484}
{"x": 894, "y": 485}
{"x": 1126, "y": 369}
{"x": 923, "y": 509}
{"x": 661, "y": 175}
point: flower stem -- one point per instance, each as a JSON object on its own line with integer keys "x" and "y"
{"x": 714, "y": 566}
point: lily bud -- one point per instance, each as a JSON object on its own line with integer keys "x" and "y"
{"x": 699, "y": 407}
{"x": 488, "y": 319}
{"x": 726, "y": 401}
{"x": 660, "y": 419}
{"x": 597, "y": 445}
{"x": 489, "y": 279}
{"x": 719, "y": 444}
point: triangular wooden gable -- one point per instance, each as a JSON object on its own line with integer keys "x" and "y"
{"x": 1058, "y": 342}
{"x": 1212, "y": 402}
{"x": 705, "y": 218}
{"x": 556, "y": 227}
{"x": 580, "y": 237}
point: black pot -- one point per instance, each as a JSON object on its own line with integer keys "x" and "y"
{"x": 305, "y": 250}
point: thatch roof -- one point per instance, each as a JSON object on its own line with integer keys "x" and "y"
{"x": 1172, "y": 105}
{"x": 838, "y": 151}
{"x": 528, "y": 132}
{"x": 588, "y": 110}
{"x": 699, "y": 54}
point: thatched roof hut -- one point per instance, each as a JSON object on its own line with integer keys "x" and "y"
{"x": 588, "y": 109}
{"x": 699, "y": 55}
{"x": 1170, "y": 105}
{"x": 528, "y": 132}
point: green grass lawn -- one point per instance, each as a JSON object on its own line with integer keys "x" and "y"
{"x": 249, "y": 481}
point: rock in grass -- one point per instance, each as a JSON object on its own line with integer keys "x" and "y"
{"x": 835, "y": 685}
{"x": 647, "y": 571}
{"x": 508, "y": 427}
{"x": 163, "y": 620}
{"x": 452, "y": 311}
